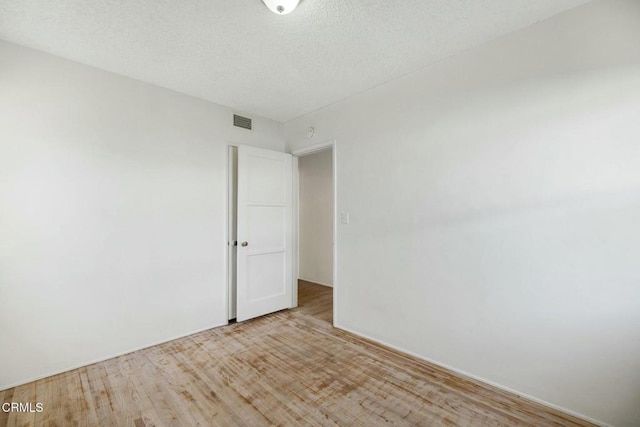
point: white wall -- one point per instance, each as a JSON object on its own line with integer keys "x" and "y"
{"x": 112, "y": 213}
{"x": 316, "y": 217}
{"x": 495, "y": 211}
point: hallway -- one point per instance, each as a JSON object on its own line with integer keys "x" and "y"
{"x": 315, "y": 300}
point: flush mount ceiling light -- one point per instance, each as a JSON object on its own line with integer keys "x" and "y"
{"x": 281, "y": 7}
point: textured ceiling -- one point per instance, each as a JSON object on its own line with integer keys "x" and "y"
{"x": 237, "y": 53}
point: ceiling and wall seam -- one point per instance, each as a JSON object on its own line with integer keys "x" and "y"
{"x": 253, "y": 61}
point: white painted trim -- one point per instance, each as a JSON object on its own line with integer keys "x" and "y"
{"x": 112, "y": 356}
{"x": 311, "y": 149}
{"x": 474, "y": 377}
{"x": 296, "y": 234}
{"x": 230, "y": 191}
{"x": 315, "y": 282}
{"x": 334, "y": 155}
{"x": 227, "y": 295}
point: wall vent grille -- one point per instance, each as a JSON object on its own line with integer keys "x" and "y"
{"x": 242, "y": 122}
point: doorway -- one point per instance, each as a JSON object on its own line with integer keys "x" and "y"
{"x": 277, "y": 209}
{"x": 316, "y": 253}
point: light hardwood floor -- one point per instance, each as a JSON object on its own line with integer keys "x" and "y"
{"x": 315, "y": 301}
{"x": 289, "y": 368}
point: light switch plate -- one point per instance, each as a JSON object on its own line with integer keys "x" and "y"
{"x": 344, "y": 218}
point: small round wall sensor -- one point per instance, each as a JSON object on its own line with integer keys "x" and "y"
{"x": 311, "y": 132}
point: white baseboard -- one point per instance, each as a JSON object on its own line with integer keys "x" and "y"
{"x": 102, "y": 359}
{"x": 475, "y": 377}
{"x": 316, "y": 282}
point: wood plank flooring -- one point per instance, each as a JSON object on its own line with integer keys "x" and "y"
{"x": 315, "y": 300}
{"x": 290, "y": 368}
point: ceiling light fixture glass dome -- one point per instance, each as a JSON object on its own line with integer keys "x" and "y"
{"x": 281, "y": 7}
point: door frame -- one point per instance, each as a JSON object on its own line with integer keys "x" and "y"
{"x": 232, "y": 188}
{"x": 301, "y": 152}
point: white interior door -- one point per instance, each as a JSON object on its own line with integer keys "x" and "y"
{"x": 265, "y": 230}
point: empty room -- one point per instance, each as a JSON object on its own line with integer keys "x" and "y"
{"x": 320, "y": 212}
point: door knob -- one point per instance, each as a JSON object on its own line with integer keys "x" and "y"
{"x": 245, "y": 243}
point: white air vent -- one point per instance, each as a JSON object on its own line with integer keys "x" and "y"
{"x": 242, "y": 122}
